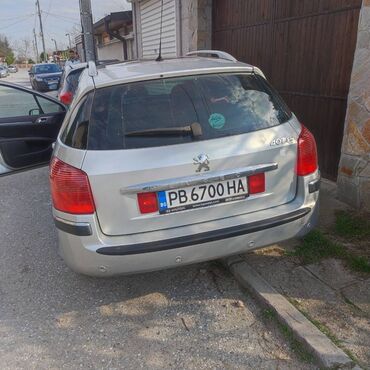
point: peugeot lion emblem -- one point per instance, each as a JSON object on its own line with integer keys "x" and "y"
{"x": 202, "y": 160}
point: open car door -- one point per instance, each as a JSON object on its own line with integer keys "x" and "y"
{"x": 29, "y": 125}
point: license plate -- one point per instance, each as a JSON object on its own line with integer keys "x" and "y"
{"x": 202, "y": 195}
{"x": 53, "y": 86}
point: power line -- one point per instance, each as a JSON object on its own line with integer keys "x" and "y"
{"x": 17, "y": 17}
{"x": 74, "y": 20}
{"x": 12, "y": 24}
{"x": 50, "y": 2}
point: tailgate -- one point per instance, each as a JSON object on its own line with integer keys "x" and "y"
{"x": 117, "y": 175}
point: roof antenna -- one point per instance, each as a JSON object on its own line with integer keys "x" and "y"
{"x": 159, "y": 57}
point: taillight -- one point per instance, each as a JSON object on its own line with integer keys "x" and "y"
{"x": 147, "y": 202}
{"x": 307, "y": 153}
{"x": 256, "y": 183}
{"x": 70, "y": 189}
{"x": 66, "y": 97}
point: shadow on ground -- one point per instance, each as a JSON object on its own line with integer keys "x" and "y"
{"x": 193, "y": 317}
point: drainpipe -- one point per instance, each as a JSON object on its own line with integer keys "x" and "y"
{"x": 134, "y": 19}
{"x": 116, "y": 35}
{"x": 180, "y": 28}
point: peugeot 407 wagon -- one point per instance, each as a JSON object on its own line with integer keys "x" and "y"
{"x": 164, "y": 163}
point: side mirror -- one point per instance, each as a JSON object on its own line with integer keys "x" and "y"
{"x": 34, "y": 112}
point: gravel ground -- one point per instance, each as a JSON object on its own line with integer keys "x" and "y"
{"x": 193, "y": 317}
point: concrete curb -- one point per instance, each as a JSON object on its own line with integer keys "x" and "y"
{"x": 326, "y": 354}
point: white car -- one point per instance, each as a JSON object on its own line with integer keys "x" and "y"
{"x": 164, "y": 163}
{"x": 4, "y": 71}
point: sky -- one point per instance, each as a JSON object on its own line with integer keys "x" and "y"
{"x": 18, "y": 18}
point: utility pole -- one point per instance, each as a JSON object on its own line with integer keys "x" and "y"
{"x": 69, "y": 40}
{"x": 55, "y": 43}
{"x": 35, "y": 44}
{"x": 87, "y": 29}
{"x": 41, "y": 30}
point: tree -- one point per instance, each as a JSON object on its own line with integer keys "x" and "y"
{"x": 30, "y": 61}
{"x": 42, "y": 56}
{"x": 23, "y": 49}
{"x": 10, "y": 58}
{"x": 74, "y": 31}
{"x": 4, "y": 46}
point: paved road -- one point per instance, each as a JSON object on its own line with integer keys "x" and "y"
{"x": 194, "y": 317}
{"x": 22, "y": 78}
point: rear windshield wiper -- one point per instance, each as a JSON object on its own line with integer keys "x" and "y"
{"x": 194, "y": 129}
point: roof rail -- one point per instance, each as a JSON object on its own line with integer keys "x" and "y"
{"x": 213, "y": 54}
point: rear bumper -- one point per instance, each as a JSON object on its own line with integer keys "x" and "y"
{"x": 93, "y": 253}
{"x": 207, "y": 237}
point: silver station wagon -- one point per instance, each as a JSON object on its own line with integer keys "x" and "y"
{"x": 158, "y": 164}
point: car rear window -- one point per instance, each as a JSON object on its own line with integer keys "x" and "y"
{"x": 222, "y": 104}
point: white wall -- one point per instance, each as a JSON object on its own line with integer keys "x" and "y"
{"x": 150, "y": 20}
{"x": 187, "y": 25}
{"x": 114, "y": 50}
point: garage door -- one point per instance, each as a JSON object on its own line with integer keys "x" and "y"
{"x": 150, "y": 11}
{"x": 306, "y": 49}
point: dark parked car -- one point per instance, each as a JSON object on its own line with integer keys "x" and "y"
{"x": 45, "y": 77}
{"x": 13, "y": 68}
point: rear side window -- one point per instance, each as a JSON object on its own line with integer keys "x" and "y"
{"x": 75, "y": 133}
{"x": 70, "y": 82}
{"x": 222, "y": 105}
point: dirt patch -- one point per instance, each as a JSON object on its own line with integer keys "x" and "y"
{"x": 327, "y": 275}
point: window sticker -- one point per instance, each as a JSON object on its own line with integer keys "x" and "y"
{"x": 217, "y": 120}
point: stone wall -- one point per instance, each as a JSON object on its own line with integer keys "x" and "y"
{"x": 354, "y": 166}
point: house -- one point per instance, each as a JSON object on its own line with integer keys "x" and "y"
{"x": 114, "y": 37}
{"x": 186, "y": 26}
{"x": 316, "y": 53}
{"x": 80, "y": 47}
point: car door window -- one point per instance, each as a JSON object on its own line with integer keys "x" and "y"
{"x": 49, "y": 106}
{"x": 16, "y": 103}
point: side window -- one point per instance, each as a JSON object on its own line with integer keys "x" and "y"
{"x": 17, "y": 103}
{"x": 75, "y": 133}
{"x": 49, "y": 106}
{"x": 72, "y": 80}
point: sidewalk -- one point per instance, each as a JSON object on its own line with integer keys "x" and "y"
{"x": 332, "y": 292}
